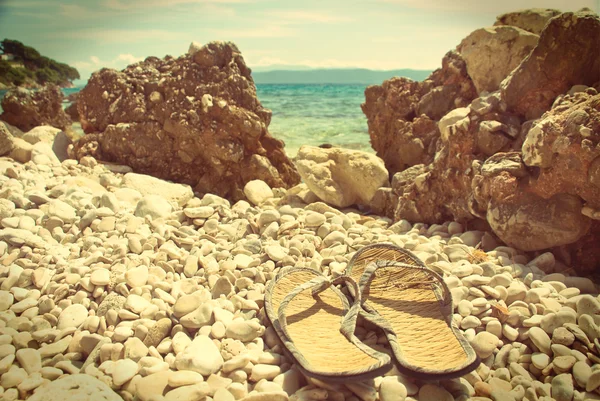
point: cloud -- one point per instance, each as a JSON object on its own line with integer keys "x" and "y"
{"x": 23, "y": 3}
{"x": 129, "y": 58}
{"x": 272, "y": 31}
{"x": 76, "y": 11}
{"x": 299, "y": 16}
{"x": 121, "y": 36}
{"x": 32, "y": 14}
{"x": 94, "y": 63}
{"x": 497, "y": 7}
{"x": 145, "y": 4}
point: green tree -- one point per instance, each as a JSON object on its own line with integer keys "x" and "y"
{"x": 41, "y": 68}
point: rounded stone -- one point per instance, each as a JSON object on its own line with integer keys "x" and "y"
{"x": 257, "y": 191}
{"x": 201, "y": 355}
{"x": 563, "y": 364}
{"x": 123, "y": 371}
{"x": 562, "y": 387}
{"x": 392, "y": 390}
{"x": 154, "y": 206}
{"x": 243, "y": 330}
{"x": 540, "y": 339}
{"x": 432, "y": 392}
{"x": 484, "y": 344}
{"x": 100, "y": 277}
{"x": 562, "y": 336}
{"x": 75, "y": 387}
{"x": 540, "y": 360}
{"x": 72, "y": 316}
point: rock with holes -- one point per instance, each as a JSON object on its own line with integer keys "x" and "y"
{"x": 194, "y": 119}
{"x": 341, "y": 177}
{"x": 559, "y": 61}
{"x": 27, "y": 109}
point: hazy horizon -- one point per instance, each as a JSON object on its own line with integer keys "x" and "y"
{"x": 379, "y": 35}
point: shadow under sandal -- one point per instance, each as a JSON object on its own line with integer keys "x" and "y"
{"x": 316, "y": 325}
{"x": 413, "y": 306}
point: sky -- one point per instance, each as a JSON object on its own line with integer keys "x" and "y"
{"x": 374, "y": 34}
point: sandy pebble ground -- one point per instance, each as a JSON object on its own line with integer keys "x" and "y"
{"x": 120, "y": 281}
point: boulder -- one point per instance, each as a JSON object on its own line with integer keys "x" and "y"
{"x": 562, "y": 148}
{"x": 441, "y": 190}
{"x": 565, "y": 145}
{"x": 402, "y": 114}
{"x": 17, "y": 133}
{"x": 566, "y": 55}
{"x": 42, "y": 154}
{"x": 44, "y": 133}
{"x": 523, "y": 160}
{"x": 21, "y": 150}
{"x": 529, "y": 222}
{"x": 532, "y": 20}
{"x": 194, "y": 120}
{"x": 6, "y": 141}
{"x": 178, "y": 194}
{"x": 492, "y": 53}
{"x": 26, "y": 110}
{"x": 60, "y": 145}
{"x": 341, "y": 177}
{"x": 75, "y": 387}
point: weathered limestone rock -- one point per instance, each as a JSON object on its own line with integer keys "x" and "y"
{"x": 531, "y": 223}
{"x": 566, "y": 55}
{"x": 562, "y": 147}
{"x": 341, "y": 177}
{"x": 532, "y": 20}
{"x": 146, "y": 185}
{"x": 563, "y": 144}
{"x": 6, "y": 140}
{"x": 492, "y": 53}
{"x": 193, "y": 119}
{"x": 535, "y": 182}
{"x": 43, "y": 133}
{"x": 26, "y": 110}
{"x": 402, "y": 113}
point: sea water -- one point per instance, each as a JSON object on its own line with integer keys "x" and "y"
{"x": 310, "y": 114}
{"x": 316, "y": 114}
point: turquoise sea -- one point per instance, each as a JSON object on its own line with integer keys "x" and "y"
{"x": 311, "y": 114}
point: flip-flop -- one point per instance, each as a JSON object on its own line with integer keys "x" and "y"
{"x": 413, "y": 306}
{"x": 316, "y": 325}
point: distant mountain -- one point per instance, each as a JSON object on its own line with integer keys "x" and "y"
{"x": 277, "y": 67}
{"x": 335, "y": 76}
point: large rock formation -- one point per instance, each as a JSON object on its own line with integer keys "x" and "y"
{"x": 401, "y": 113}
{"x": 554, "y": 193}
{"x": 566, "y": 55}
{"x": 341, "y": 177}
{"x": 193, "y": 119}
{"x": 535, "y": 182}
{"x": 532, "y": 20}
{"x": 26, "y": 110}
{"x": 492, "y": 53}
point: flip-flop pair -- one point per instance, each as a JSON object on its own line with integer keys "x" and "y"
{"x": 392, "y": 289}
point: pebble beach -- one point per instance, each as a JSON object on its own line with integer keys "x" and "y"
{"x": 159, "y": 294}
